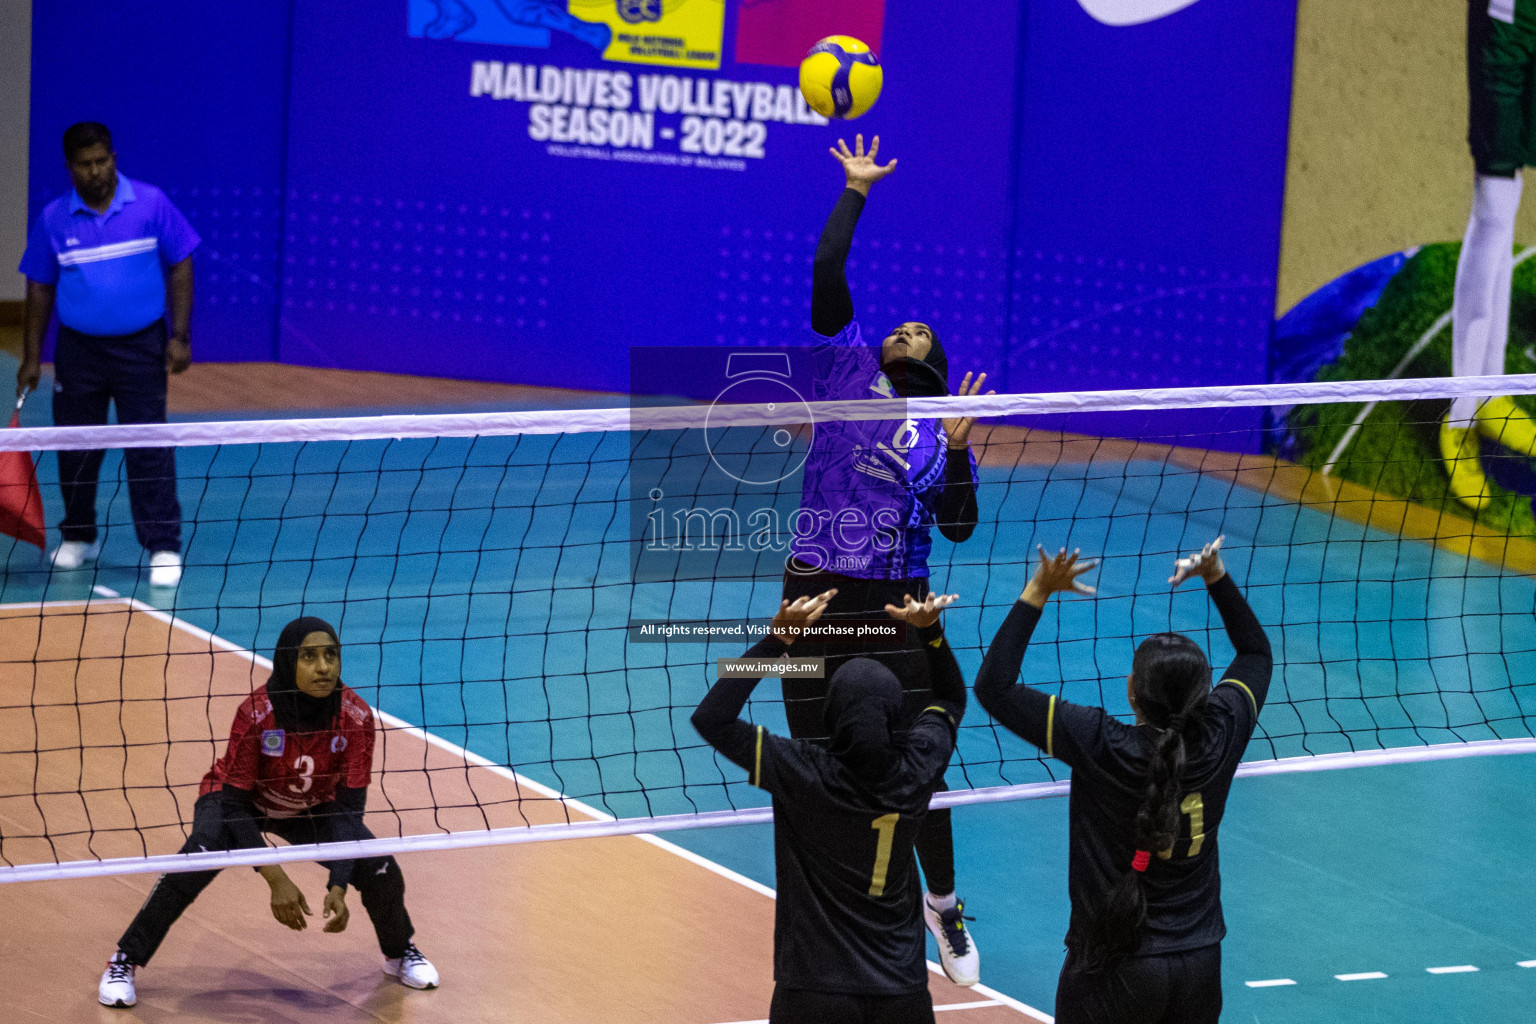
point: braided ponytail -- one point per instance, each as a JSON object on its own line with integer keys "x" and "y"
{"x": 1171, "y": 680}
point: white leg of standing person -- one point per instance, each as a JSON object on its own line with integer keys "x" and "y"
{"x": 1480, "y": 318}
{"x": 1479, "y": 322}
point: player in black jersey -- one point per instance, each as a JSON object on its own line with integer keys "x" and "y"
{"x": 848, "y": 925}
{"x": 1144, "y": 943}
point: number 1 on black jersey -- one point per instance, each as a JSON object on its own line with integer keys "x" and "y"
{"x": 886, "y": 826}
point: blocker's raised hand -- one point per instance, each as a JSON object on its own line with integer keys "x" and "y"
{"x": 1205, "y": 563}
{"x": 860, "y": 168}
{"x": 794, "y": 616}
{"x": 922, "y": 613}
{"x": 1056, "y": 574}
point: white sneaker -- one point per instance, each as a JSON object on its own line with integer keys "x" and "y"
{"x": 116, "y": 988}
{"x": 957, "y": 947}
{"x": 413, "y": 969}
{"x": 164, "y": 569}
{"x": 72, "y": 554}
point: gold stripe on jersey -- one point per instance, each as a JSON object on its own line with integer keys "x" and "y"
{"x": 941, "y": 710}
{"x": 1244, "y": 687}
{"x": 1050, "y": 727}
{"x": 757, "y": 762}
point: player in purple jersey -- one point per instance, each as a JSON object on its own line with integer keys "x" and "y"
{"x": 876, "y": 489}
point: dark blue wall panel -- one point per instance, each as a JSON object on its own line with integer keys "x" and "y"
{"x": 1149, "y": 188}
{"x": 195, "y": 95}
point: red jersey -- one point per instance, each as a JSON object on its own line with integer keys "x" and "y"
{"x": 292, "y": 772}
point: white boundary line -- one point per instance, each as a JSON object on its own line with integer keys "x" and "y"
{"x": 181, "y": 862}
{"x": 980, "y": 1004}
{"x": 565, "y": 421}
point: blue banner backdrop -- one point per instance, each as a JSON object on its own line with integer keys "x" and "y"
{"x": 520, "y": 190}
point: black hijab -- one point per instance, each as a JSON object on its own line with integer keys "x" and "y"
{"x": 295, "y": 710}
{"x": 864, "y": 702}
{"x": 927, "y": 377}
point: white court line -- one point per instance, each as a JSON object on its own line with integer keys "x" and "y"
{"x": 44, "y": 604}
{"x": 937, "y": 1009}
{"x": 1460, "y": 969}
{"x": 1526, "y": 963}
{"x": 1362, "y": 976}
{"x": 1271, "y": 983}
{"x": 993, "y": 996}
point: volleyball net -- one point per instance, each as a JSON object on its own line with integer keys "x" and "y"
{"x": 535, "y": 602}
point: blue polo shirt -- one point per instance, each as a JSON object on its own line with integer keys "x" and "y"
{"x": 109, "y": 268}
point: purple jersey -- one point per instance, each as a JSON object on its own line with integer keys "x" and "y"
{"x": 870, "y": 486}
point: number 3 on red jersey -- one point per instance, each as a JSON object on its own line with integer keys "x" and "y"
{"x": 305, "y": 766}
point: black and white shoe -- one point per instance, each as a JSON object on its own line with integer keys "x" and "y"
{"x": 116, "y": 988}
{"x": 413, "y": 969}
{"x": 957, "y": 946}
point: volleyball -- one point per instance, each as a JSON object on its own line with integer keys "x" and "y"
{"x": 840, "y": 77}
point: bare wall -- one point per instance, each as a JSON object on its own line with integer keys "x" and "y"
{"x": 1378, "y": 155}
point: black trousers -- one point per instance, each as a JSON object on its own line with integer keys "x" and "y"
{"x": 800, "y": 1006}
{"x": 1174, "y": 988}
{"x": 90, "y": 373}
{"x": 805, "y": 699}
{"x": 377, "y": 880}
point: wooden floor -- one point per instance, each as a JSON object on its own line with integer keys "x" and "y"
{"x": 622, "y": 929}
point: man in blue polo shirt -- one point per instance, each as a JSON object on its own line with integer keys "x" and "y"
{"x": 115, "y": 258}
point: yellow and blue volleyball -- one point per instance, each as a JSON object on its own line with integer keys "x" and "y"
{"x": 840, "y": 77}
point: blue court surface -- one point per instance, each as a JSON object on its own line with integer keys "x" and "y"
{"x": 482, "y": 589}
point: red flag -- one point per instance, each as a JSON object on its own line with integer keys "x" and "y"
{"x": 21, "y": 503}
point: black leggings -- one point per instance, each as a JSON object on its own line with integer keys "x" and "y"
{"x": 1174, "y": 988}
{"x": 377, "y": 880}
{"x": 800, "y": 1006}
{"x": 805, "y": 699}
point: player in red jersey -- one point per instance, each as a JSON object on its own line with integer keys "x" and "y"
{"x": 298, "y": 764}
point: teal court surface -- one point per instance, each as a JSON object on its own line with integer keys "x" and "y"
{"x": 482, "y": 589}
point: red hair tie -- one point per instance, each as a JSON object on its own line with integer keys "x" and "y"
{"x": 1141, "y": 860}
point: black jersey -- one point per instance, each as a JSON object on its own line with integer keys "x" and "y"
{"x": 849, "y": 917}
{"x": 1110, "y": 763}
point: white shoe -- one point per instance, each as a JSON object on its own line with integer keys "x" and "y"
{"x": 164, "y": 569}
{"x": 957, "y": 946}
{"x": 72, "y": 554}
{"x": 116, "y": 988}
{"x": 413, "y": 969}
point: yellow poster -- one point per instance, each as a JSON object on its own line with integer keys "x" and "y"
{"x": 677, "y": 33}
